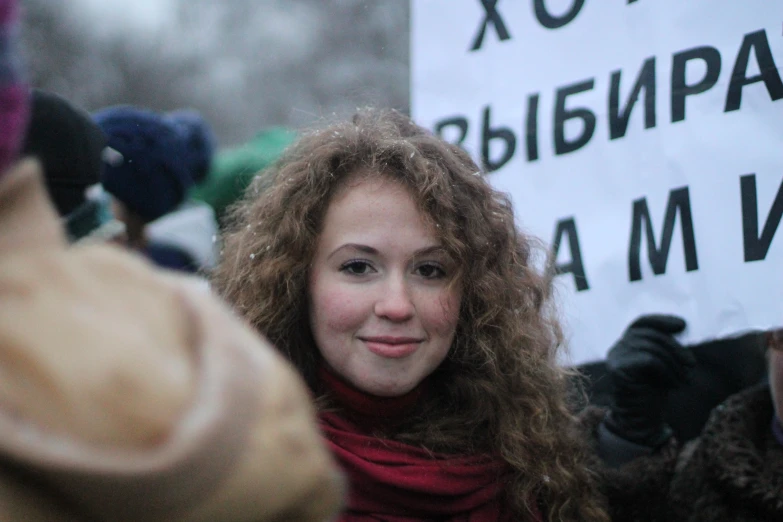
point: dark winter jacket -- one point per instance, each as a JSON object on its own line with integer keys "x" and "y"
{"x": 636, "y": 491}
{"x": 734, "y": 471}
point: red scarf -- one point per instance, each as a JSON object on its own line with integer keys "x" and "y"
{"x": 396, "y": 482}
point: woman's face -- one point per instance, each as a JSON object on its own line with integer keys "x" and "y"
{"x": 382, "y": 311}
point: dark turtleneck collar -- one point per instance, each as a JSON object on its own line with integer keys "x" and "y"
{"x": 366, "y": 408}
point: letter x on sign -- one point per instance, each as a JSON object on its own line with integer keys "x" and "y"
{"x": 492, "y": 17}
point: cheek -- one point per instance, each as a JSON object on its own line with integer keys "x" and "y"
{"x": 443, "y": 312}
{"x": 333, "y": 308}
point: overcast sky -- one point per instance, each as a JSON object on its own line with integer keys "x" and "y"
{"x": 152, "y": 14}
{"x": 246, "y": 64}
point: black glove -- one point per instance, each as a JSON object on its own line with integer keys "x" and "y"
{"x": 644, "y": 365}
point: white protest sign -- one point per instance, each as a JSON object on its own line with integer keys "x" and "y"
{"x": 641, "y": 139}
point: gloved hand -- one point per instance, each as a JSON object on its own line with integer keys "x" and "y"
{"x": 644, "y": 366}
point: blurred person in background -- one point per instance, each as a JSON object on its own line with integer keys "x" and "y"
{"x": 69, "y": 146}
{"x": 722, "y": 368}
{"x": 14, "y": 91}
{"x": 148, "y": 172}
{"x": 734, "y": 469}
{"x": 192, "y": 226}
{"x": 234, "y": 168}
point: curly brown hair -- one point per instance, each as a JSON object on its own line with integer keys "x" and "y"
{"x": 500, "y": 389}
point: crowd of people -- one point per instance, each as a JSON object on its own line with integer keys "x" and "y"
{"x": 357, "y": 331}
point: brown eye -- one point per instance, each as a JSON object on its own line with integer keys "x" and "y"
{"x": 430, "y": 271}
{"x": 356, "y": 267}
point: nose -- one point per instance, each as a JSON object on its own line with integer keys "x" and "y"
{"x": 394, "y": 302}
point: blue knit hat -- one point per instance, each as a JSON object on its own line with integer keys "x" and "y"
{"x": 199, "y": 139}
{"x": 145, "y": 162}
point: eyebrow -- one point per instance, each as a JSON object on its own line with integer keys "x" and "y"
{"x": 372, "y": 251}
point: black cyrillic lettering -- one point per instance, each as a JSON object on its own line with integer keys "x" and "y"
{"x": 679, "y": 199}
{"x": 768, "y": 72}
{"x": 491, "y": 17}
{"x": 489, "y": 134}
{"x": 618, "y": 118}
{"x": 756, "y": 247}
{"x": 531, "y": 128}
{"x": 556, "y": 22}
{"x": 460, "y": 122}
{"x": 562, "y": 115}
{"x": 575, "y": 266}
{"x": 680, "y": 89}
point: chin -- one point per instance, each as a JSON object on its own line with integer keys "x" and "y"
{"x": 388, "y": 389}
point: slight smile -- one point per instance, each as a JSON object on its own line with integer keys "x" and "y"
{"x": 392, "y": 347}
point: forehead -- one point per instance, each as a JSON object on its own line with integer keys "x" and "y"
{"x": 366, "y": 186}
{"x": 377, "y": 207}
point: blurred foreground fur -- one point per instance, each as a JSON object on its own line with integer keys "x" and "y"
{"x": 129, "y": 394}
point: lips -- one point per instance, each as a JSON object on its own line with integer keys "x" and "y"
{"x": 392, "y": 347}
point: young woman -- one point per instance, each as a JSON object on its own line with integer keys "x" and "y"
{"x": 392, "y": 275}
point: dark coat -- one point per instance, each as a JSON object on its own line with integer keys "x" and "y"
{"x": 723, "y": 368}
{"x": 734, "y": 471}
{"x": 638, "y": 490}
